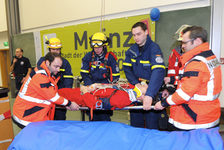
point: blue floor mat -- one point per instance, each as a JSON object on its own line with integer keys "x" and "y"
{"x": 78, "y": 135}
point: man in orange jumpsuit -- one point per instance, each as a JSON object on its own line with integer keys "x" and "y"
{"x": 38, "y": 95}
{"x": 195, "y": 103}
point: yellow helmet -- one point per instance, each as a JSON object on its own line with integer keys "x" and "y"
{"x": 98, "y": 39}
{"x": 54, "y": 43}
{"x": 179, "y": 32}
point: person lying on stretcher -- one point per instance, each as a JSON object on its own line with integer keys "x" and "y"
{"x": 104, "y": 96}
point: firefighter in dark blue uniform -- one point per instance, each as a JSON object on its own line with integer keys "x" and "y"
{"x": 66, "y": 80}
{"x": 100, "y": 66}
{"x": 144, "y": 61}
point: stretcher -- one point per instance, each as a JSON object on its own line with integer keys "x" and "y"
{"x": 103, "y": 97}
{"x": 124, "y": 108}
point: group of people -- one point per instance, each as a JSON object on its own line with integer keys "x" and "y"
{"x": 191, "y": 89}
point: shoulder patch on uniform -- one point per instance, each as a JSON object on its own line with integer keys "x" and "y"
{"x": 159, "y": 59}
{"x": 117, "y": 68}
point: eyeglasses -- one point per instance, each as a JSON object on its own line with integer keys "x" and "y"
{"x": 182, "y": 42}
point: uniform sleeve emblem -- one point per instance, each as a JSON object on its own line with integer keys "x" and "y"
{"x": 117, "y": 68}
{"x": 159, "y": 59}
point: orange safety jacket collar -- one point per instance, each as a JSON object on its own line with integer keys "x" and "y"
{"x": 190, "y": 54}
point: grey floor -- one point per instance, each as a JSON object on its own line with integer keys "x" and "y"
{"x": 118, "y": 116}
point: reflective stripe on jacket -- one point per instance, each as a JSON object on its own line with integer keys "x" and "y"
{"x": 99, "y": 69}
{"x": 146, "y": 64}
{"x": 199, "y": 88}
{"x": 174, "y": 66}
{"x": 37, "y": 97}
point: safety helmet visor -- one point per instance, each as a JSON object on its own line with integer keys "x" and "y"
{"x": 55, "y": 46}
{"x": 97, "y": 43}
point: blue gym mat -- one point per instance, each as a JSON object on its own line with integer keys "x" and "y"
{"x": 78, "y": 135}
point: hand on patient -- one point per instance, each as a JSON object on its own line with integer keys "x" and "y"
{"x": 89, "y": 88}
{"x": 147, "y": 102}
{"x": 73, "y": 106}
{"x": 140, "y": 89}
{"x": 158, "y": 106}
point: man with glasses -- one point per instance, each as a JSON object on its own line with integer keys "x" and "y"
{"x": 39, "y": 93}
{"x": 100, "y": 66}
{"x": 195, "y": 103}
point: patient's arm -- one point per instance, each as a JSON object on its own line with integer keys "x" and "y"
{"x": 89, "y": 88}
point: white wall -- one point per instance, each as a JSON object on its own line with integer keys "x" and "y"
{"x": 222, "y": 38}
{"x": 51, "y": 13}
{"x": 3, "y": 23}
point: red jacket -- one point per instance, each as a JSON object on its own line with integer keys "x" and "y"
{"x": 37, "y": 97}
{"x": 199, "y": 88}
{"x": 174, "y": 66}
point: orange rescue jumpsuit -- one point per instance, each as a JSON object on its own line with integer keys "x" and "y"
{"x": 37, "y": 97}
{"x": 199, "y": 88}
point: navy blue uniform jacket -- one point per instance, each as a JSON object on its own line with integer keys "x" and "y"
{"x": 147, "y": 64}
{"x": 95, "y": 72}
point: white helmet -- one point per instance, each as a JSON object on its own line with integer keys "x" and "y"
{"x": 179, "y": 32}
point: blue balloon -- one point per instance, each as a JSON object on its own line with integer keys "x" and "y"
{"x": 155, "y": 14}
